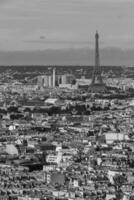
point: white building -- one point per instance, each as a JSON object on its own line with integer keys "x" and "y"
{"x": 111, "y": 137}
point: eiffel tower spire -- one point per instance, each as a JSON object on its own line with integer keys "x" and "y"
{"x": 97, "y": 82}
{"x": 97, "y": 56}
{"x": 96, "y": 78}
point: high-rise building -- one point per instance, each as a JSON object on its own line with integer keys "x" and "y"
{"x": 40, "y": 81}
{"x": 67, "y": 79}
{"x": 63, "y": 79}
{"x": 48, "y": 80}
{"x": 54, "y": 77}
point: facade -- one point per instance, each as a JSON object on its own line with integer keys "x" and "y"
{"x": 67, "y": 81}
{"x": 52, "y": 80}
{"x": 54, "y": 77}
{"x": 45, "y": 81}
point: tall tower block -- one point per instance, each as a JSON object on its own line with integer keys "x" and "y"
{"x": 97, "y": 84}
{"x": 54, "y": 77}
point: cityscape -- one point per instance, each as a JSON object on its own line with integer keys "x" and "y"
{"x": 66, "y": 131}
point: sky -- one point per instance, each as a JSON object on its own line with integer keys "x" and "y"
{"x": 55, "y": 24}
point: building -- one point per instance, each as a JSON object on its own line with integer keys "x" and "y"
{"x": 67, "y": 81}
{"x": 53, "y": 80}
{"x": 47, "y": 80}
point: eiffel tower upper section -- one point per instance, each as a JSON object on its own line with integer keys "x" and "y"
{"x": 97, "y": 84}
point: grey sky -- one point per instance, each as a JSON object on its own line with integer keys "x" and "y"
{"x": 42, "y": 24}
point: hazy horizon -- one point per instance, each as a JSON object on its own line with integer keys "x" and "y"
{"x": 81, "y": 56}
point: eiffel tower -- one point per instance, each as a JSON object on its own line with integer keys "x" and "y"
{"x": 97, "y": 84}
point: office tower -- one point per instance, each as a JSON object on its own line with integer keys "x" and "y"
{"x": 54, "y": 72}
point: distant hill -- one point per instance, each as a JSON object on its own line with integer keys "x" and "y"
{"x": 83, "y": 56}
